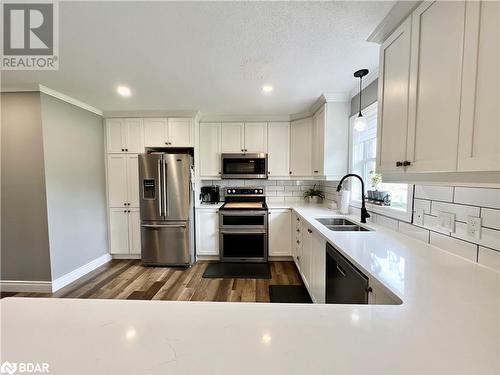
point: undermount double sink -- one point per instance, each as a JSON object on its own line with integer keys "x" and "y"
{"x": 339, "y": 224}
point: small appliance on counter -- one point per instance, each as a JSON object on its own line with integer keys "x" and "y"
{"x": 210, "y": 194}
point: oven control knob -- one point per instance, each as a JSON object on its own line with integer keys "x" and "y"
{"x": 261, "y": 191}
{"x": 256, "y": 191}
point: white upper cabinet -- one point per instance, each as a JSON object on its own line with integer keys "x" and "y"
{"x": 180, "y": 132}
{"x": 232, "y": 137}
{"x": 210, "y": 150}
{"x": 394, "y": 77}
{"x": 300, "y": 148}
{"x": 278, "y": 149}
{"x": 255, "y": 137}
{"x": 479, "y": 145}
{"x": 238, "y": 137}
{"x": 155, "y": 132}
{"x": 124, "y": 135}
{"x": 280, "y": 236}
{"x": 171, "y": 132}
{"x": 318, "y": 139}
{"x": 445, "y": 107}
{"x": 435, "y": 86}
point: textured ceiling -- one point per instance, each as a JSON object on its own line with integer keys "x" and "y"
{"x": 209, "y": 56}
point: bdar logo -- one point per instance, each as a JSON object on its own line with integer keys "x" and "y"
{"x": 8, "y": 368}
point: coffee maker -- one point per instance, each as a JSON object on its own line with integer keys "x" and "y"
{"x": 210, "y": 194}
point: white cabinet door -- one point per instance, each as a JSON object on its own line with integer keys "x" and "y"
{"x": 232, "y": 137}
{"x": 318, "y": 268}
{"x": 115, "y": 136}
{"x": 278, "y": 149}
{"x": 134, "y": 230}
{"x": 207, "y": 231}
{"x": 256, "y": 137}
{"x": 306, "y": 256}
{"x": 318, "y": 143}
{"x": 479, "y": 142}
{"x": 435, "y": 86}
{"x": 296, "y": 238}
{"x": 394, "y": 76}
{"x": 180, "y": 132}
{"x": 135, "y": 135}
{"x": 155, "y": 132}
{"x": 133, "y": 180}
{"x": 210, "y": 150}
{"x": 280, "y": 236}
{"x": 118, "y": 231}
{"x": 117, "y": 180}
{"x": 300, "y": 148}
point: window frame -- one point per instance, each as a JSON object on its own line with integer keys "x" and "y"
{"x": 382, "y": 210}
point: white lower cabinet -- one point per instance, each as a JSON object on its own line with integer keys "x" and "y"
{"x": 296, "y": 239}
{"x": 280, "y": 232}
{"x": 207, "y": 231}
{"x": 124, "y": 231}
{"x": 318, "y": 268}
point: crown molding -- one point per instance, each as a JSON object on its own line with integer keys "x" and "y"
{"x": 243, "y": 118}
{"x": 393, "y": 19}
{"x": 69, "y": 99}
{"x": 329, "y": 97}
{"x": 149, "y": 113}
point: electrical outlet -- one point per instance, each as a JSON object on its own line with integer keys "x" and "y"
{"x": 474, "y": 227}
{"x": 446, "y": 221}
{"x": 418, "y": 219}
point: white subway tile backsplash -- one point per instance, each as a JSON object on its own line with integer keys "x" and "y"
{"x": 413, "y": 231}
{"x": 491, "y": 218}
{"x": 430, "y": 222}
{"x": 461, "y": 212}
{"x": 275, "y": 199}
{"x": 275, "y": 188}
{"x": 422, "y": 204}
{"x": 489, "y": 258}
{"x": 438, "y": 193}
{"x": 387, "y": 222}
{"x": 461, "y": 248}
{"x": 478, "y": 197}
{"x": 489, "y": 237}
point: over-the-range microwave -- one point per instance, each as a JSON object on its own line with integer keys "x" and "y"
{"x": 244, "y": 166}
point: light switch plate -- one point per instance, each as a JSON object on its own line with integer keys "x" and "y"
{"x": 418, "y": 219}
{"x": 446, "y": 221}
{"x": 474, "y": 227}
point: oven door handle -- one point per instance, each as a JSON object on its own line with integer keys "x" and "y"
{"x": 243, "y": 231}
{"x": 234, "y": 212}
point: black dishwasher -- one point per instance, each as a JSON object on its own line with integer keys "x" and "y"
{"x": 344, "y": 282}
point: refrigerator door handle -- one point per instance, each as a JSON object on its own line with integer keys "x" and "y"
{"x": 165, "y": 192}
{"x": 164, "y": 225}
{"x": 160, "y": 198}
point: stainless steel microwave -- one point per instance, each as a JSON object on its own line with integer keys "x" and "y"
{"x": 244, "y": 166}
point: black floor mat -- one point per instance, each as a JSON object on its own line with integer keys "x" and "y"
{"x": 237, "y": 271}
{"x": 289, "y": 294}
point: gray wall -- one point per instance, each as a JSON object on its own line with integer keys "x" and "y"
{"x": 24, "y": 238}
{"x": 370, "y": 94}
{"x": 73, "y": 142}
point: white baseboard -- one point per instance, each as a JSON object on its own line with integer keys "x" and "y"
{"x": 207, "y": 257}
{"x": 126, "y": 256}
{"x": 64, "y": 280}
{"x": 22, "y": 286}
{"x": 280, "y": 258}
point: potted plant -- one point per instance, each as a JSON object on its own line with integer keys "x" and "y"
{"x": 375, "y": 179}
{"x": 314, "y": 195}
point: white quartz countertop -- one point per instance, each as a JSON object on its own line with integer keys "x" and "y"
{"x": 449, "y": 322}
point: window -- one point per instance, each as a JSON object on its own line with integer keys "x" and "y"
{"x": 363, "y": 154}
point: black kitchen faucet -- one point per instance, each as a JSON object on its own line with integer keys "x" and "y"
{"x": 364, "y": 212}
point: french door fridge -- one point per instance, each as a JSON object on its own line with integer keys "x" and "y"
{"x": 167, "y": 215}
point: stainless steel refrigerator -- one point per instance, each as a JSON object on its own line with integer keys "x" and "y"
{"x": 167, "y": 215}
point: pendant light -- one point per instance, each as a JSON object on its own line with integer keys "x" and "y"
{"x": 360, "y": 121}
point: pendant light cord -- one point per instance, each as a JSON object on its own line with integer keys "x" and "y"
{"x": 360, "y": 91}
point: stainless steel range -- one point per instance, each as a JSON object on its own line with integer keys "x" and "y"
{"x": 243, "y": 228}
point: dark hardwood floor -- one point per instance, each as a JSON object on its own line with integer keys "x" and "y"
{"x": 128, "y": 279}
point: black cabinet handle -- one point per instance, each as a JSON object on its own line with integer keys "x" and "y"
{"x": 309, "y": 231}
{"x": 315, "y": 171}
{"x": 406, "y": 163}
{"x": 399, "y": 164}
{"x": 298, "y": 230}
{"x": 124, "y": 211}
{"x": 290, "y": 172}
{"x": 369, "y": 289}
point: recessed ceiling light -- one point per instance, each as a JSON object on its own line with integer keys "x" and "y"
{"x": 267, "y": 89}
{"x": 123, "y": 90}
